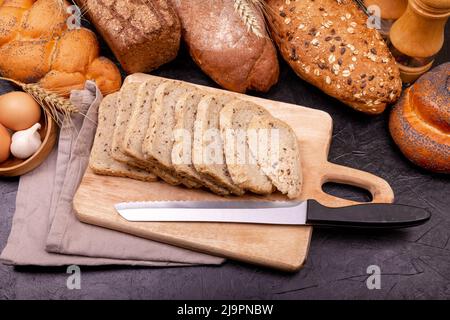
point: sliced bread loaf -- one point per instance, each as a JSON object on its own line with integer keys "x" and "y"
{"x": 243, "y": 168}
{"x": 138, "y": 126}
{"x": 101, "y": 161}
{"x": 158, "y": 141}
{"x": 207, "y": 152}
{"x": 185, "y": 112}
{"x": 275, "y": 146}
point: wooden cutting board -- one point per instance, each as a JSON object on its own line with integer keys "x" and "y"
{"x": 280, "y": 247}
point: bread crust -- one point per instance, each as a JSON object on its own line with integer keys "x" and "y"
{"x": 419, "y": 123}
{"x": 330, "y": 46}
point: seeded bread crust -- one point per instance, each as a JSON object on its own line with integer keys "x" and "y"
{"x": 243, "y": 169}
{"x": 280, "y": 161}
{"x": 137, "y": 128}
{"x": 420, "y": 122}
{"x": 100, "y": 160}
{"x": 207, "y": 152}
{"x": 185, "y": 113}
{"x": 158, "y": 141}
{"x": 330, "y": 46}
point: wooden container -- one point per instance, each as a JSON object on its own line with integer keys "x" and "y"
{"x": 17, "y": 167}
{"x": 389, "y": 10}
{"x": 418, "y": 35}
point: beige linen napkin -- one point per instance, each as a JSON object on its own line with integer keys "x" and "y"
{"x": 45, "y": 230}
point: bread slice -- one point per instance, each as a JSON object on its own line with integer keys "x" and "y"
{"x": 158, "y": 141}
{"x": 243, "y": 168}
{"x": 138, "y": 126}
{"x": 275, "y": 146}
{"x": 207, "y": 152}
{"x": 100, "y": 160}
{"x": 125, "y": 100}
{"x": 185, "y": 112}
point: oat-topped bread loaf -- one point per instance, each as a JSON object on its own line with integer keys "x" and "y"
{"x": 142, "y": 34}
{"x": 275, "y": 146}
{"x": 420, "y": 121}
{"x": 243, "y": 168}
{"x": 207, "y": 152}
{"x": 101, "y": 161}
{"x": 36, "y": 45}
{"x": 328, "y": 43}
{"x": 158, "y": 141}
{"x": 185, "y": 114}
{"x": 223, "y": 46}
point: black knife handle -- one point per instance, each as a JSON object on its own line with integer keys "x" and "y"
{"x": 371, "y": 215}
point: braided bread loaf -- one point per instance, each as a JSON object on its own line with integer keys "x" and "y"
{"x": 420, "y": 122}
{"x": 36, "y": 45}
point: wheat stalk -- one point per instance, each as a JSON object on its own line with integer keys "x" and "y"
{"x": 246, "y": 10}
{"x": 57, "y": 106}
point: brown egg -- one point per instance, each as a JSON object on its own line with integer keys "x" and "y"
{"x": 5, "y": 143}
{"x": 18, "y": 110}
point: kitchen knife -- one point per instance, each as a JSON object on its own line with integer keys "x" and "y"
{"x": 310, "y": 212}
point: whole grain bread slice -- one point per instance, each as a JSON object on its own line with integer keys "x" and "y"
{"x": 138, "y": 126}
{"x": 275, "y": 146}
{"x": 242, "y": 166}
{"x": 185, "y": 113}
{"x": 125, "y": 101}
{"x": 158, "y": 141}
{"x": 207, "y": 151}
{"x": 100, "y": 160}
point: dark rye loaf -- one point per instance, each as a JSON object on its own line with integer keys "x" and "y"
{"x": 142, "y": 34}
{"x": 328, "y": 43}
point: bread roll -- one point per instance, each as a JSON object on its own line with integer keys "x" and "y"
{"x": 37, "y": 46}
{"x": 420, "y": 122}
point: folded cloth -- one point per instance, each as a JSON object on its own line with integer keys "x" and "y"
{"x": 45, "y": 230}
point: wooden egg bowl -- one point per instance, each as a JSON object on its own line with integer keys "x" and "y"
{"x": 16, "y": 167}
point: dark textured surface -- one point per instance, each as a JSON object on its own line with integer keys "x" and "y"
{"x": 414, "y": 263}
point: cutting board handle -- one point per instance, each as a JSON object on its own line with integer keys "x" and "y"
{"x": 381, "y": 190}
